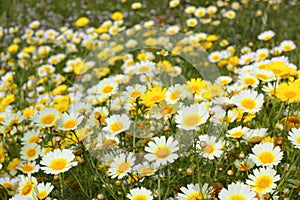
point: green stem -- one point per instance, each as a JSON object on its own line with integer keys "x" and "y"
{"x": 61, "y": 182}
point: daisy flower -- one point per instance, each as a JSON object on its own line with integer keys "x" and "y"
{"x": 43, "y": 190}
{"x": 139, "y": 194}
{"x": 209, "y": 147}
{"x": 162, "y": 150}
{"x": 263, "y": 180}
{"x": 215, "y": 56}
{"x": 255, "y": 135}
{"x": 248, "y": 101}
{"x": 13, "y": 119}
{"x": 106, "y": 141}
{"x": 264, "y": 75}
{"x": 237, "y": 132}
{"x": 265, "y": 154}
{"x": 107, "y": 87}
{"x": 193, "y": 191}
{"x": 144, "y": 67}
{"x": 288, "y": 92}
{"x": 194, "y": 86}
{"x": 146, "y": 169}
{"x": 189, "y": 118}
{"x": 31, "y": 136}
{"x": 294, "y": 137}
{"x": 133, "y": 92}
{"x": 121, "y": 165}
{"x": 8, "y": 183}
{"x": 266, "y": 35}
{"x": 46, "y": 118}
{"x": 30, "y": 151}
{"x": 29, "y": 167}
{"x": 117, "y": 124}
{"x": 175, "y": 93}
{"x": 69, "y": 121}
{"x": 153, "y": 96}
{"x": 27, "y": 186}
{"x": 248, "y": 80}
{"x": 287, "y": 45}
{"x": 237, "y": 191}
{"x": 58, "y": 161}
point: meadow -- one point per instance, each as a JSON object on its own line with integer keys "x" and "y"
{"x": 149, "y": 100}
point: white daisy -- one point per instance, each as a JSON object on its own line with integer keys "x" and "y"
{"x": 121, "y": 165}
{"x": 30, "y": 151}
{"x": 263, "y": 180}
{"x": 209, "y": 147}
{"x": 58, "y": 161}
{"x": 237, "y": 191}
{"x": 265, "y": 154}
{"x": 248, "y": 101}
{"x": 193, "y": 191}
{"x": 69, "y": 121}
{"x": 117, "y": 124}
{"x": 237, "y": 132}
{"x": 43, "y": 190}
{"x": 189, "y": 118}
{"x": 294, "y": 137}
{"x": 46, "y": 118}
{"x": 266, "y": 35}
{"x": 140, "y": 194}
{"x": 162, "y": 150}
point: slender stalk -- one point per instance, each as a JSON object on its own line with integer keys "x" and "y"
{"x": 61, "y": 182}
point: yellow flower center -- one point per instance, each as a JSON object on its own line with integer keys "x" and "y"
{"x": 236, "y": 197}
{"x": 167, "y": 110}
{"x": 262, "y": 183}
{"x": 249, "y": 81}
{"x": 298, "y": 139}
{"x": 122, "y": 167}
{"x": 192, "y": 120}
{"x": 7, "y": 185}
{"x": 27, "y": 168}
{"x": 209, "y": 149}
{"x": 162, "y": 152}
{"x": 69, "y": 124}
{"x": 237, "y": 134}
{"x": 116, "y": 126}
{"x": 48, "y": 119}
{"x": 266, "y": 157}
{"x": 31, "y": 153}
{"x": 136, "y": 94}
{"x": 140, "y": 197}
{"x": 107, "y": 89}
{"x": 34, "y": 139}
{"x": 290, "y": 94}
{"x": 248, "y": 103}
{"x": 27, "y": 189}
{"x": 262, "y": 76}
{"x": 144, "y": 69}
{"x": 42, "y": 194}
{"x": 146, "y": 171}
{"x": 215, "y": 57}
{"x": 195, "y": 196}
{"x": 58, "y": 164}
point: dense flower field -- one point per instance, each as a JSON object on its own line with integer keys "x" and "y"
{"x": 186, "y": 100}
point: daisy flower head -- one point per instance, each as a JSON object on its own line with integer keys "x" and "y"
{"x": 117, "y": 124}
{"x": 162, "y": 150}
{"x": 30, "y": 151}
{"x": 237, "y": 191}
{"x": 248, "y": 80}
{"x": 43, "y": 190}
{"x": 237, "y": 132}
{"x": 266, "y": 35}
{"x": 69, "y": 121}
{"x": 266, "y": 154}
{"x": 133, "y": 92}
{"x": 193, "y": 191}
{"x": 139, "y": 194}
{"x": 153, "y": 96}
{"x": 27, "y": 186}
{"x": 288, "y": 92}
{"x": 287, "y": 45}
{"x": 46, "y": 118}
{"x": 107, "y": 87}
{"x": 248, "y": 101}
{"x": 29, "y": 167}
{"x": 215, "y": 56}
{"x": 9, "y": 183}
{"x": 189, "y": 118}
{"x": 31, "y": 136}
{"x": 209, "y": 147}
{"x": 58, "y": 161}
{"x": 244, "y": 165}
{"x": 121, "y": 165}
{"x": 294, "y": 137}
{"x": 263, "y": 180}
{"x": 175, "y": 93}
{"x": 144, "y": 67}
{"x": 255, "y": 135}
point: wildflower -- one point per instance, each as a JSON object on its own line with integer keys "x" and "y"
{"x": 189, "y": 118}
{"x": 266, "y": 35}
{"x": 153, "y": 96}
{"x": 237, "y": 132}
{"x": 294, "y": 137}
{"x": 288, "y": 92}
{"x": 27, "y": 186}
{"x": 58, "y": 161}
{"x": 46, "y": 118}
{"x": 69, "y": 121}
{"x": 248, "y": 101}
{"x": 265, "y": 154}
{"x": 162, "y": 150}
{"x": 117, "y": 124}
{"x": 237, "y": 191}
{"x": 30, "y": 151}
{"x": 121, "y": 165}
{"x": 287, "y": 45}
{"x": 140, "y": 193}
{"x": 29, "y": 167}
{"x": 175, "y": 93}
{"x": 263, "y": 180}
{"x": 244, "y": 165}
{"x": 43, "y": 190}
{"x": 209, "y": 147}
{"x": 82, "y": 21}
{"x": 193, "y": 191}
